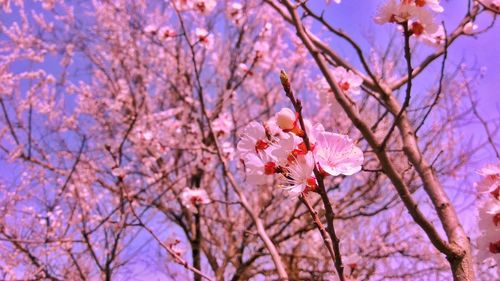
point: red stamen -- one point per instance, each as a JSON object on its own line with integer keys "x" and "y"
{"x": 311, "y": 186}
{"x": 496, "y": 193}
{"x": 496, "y": 219}
{"x": 344, "y": 86}
{"x": 261, "y": 145}
{"x": 201, "y": 6}
{"x": 293, "y": 155}
{"x": 420, "y": 3}
{"x": 495, "y": 247}
{"x": 270, "y": 168}
{"x": 417, "y": 28}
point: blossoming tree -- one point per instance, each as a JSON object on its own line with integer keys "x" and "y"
{"x": 163, "y": 140}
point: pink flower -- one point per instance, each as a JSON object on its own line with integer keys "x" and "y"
{"x": 235, "y": 13}
{"x": 489, "y": 224}
{"x": 244, "y": 69}
{"x": 393, "y": 12}
{"x": 253, "y": 139}
{"x": 261, "y": 48}
{"x": 183, "y": 4}
{"x": 432, "y": 4}
{"x": 204, "y": 38}
{"x": 283, "y": 148}
{"x": 166, "y": 33}
{"x": 491, "y": 181}
{"x": 222, "y": 125}
{"x": 420, "y": 20}
{"x": 491, "y": 4}
{"x": 298, "y": 177}
{"x": 191, "y": 198}
{"x": 260, "y": 169}
{"x": 150, "y": 29}
{"x": 347, "y": 80}
{"x": 423, "y": 21}
{"x": 435, "y": 39}
{"x": 204, "y": 6}
{"x": 337, "y": 154}
{"x": 174, "y": 244}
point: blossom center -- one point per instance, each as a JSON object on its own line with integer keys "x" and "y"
{"x": 495, "y": 247}
{"x": 496, "y": 219}
{"x": 311, "y": 185}
{"x": 420, "y": 3}
{"x": 496, "y": 193}
{"x": 344, "y": 86}
{"x": 195, "y": 200}
{"x": 201, "y": 6}
{"x": 261, "y": 145}
{"x": 417, "y": 28}
{"x": 269, "y": 168}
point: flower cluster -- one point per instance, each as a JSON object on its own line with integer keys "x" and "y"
{"x": 418, "y": 14}
{"x": 277, "y": 150}
{"x": 347, "y": 81}
{"x": 489, "y": 213}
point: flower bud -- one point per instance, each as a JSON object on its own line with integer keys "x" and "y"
{"x": 286, "y": 119}
{"x": 284, "y": 80}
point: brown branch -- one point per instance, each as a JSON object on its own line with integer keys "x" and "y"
{"x": 319, "y": 225}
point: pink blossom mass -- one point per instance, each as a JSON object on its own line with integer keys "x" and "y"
{"x": 252, "y": 140}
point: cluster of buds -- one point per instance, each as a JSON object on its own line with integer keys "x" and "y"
{"x": 489, "y": 213}
{"x": 276, "y": 149}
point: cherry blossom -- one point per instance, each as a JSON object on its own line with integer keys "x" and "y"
{"x": 253, "y": 139}
{"x": 432, "y": 4}
{"x": 235, "y": 13}
{"x": 287, "y": 155}
{"x": 347, "y": 81}
{"x": 166, "y": 33}
{"x": 489, "y": 213}
{"x": 298, "y": 176}
{"x": 175, "y": 244}
{"x": 191, "y": 198}
{"x": 260, "y": 169}
{"x": 435, "y": 39}
{"x": 489, "y": 225}
{"x": 393, "y": 12}
{"x": 204, "y": 6}
{"x": 419, "y": 19}
{"x": 336, "y": 154}
{"x": 491, "y": 179}
{"x": 223, "y": 125}
{"x": 491, "y": 4}
{"x": 204, "y": 38}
